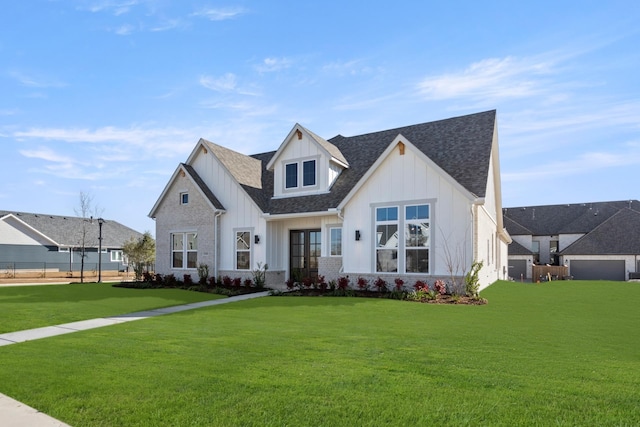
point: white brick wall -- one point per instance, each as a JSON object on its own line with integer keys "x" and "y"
{"x": 173, "y": 217}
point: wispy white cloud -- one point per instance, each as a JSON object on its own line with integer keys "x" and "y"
{"x": 124, "y": 30}
{"x": 30, "y": 80}
{"x": 116, "y": 7}
{"x": 353, "y": 67}
{"x": 224, "y": 83}
{"x": 494, "y": 78}
{"x": 45, "y": 153}
{"x": 274, "y": 64}
{"x": 220, "y": 14}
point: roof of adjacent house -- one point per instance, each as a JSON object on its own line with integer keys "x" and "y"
{"x": 578, "y": 218}
{"x": 461, "y": 146}
{"x": 516, "y": 248}
{"x": 67, "y": 230}
{"x": 617, "y": 235}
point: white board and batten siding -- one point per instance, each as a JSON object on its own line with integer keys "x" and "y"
{"x": 407, "y": 179}
{"x": 241, "y": 211}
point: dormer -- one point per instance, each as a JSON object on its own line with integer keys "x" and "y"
{"x": 305, "y": 164}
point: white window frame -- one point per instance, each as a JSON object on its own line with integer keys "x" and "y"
{"x": 185, "y": 250}
{"x": 184, "y": 195}
{"x": 331, "y": 252}
{"x": 315, "y": 173}
{"x": 402, "y": 222}
{"x": 119, "y": 256}
{"x": 248, "y": 251}
{"x": 286, "y": 181}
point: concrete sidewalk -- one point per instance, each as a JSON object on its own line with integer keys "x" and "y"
{"x": 17, "y": 414}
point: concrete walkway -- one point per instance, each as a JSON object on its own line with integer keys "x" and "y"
{"x": 16, "y": 414}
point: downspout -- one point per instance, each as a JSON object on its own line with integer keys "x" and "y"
{"x": 215, "y": 243}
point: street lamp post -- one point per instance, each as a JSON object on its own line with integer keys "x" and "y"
{"x": 100, "y": 222}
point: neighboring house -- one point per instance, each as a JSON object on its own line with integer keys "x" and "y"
{"x": 417, "y": 202}
{"x": 31, "y": 241}
{"x": 594, "y": 240}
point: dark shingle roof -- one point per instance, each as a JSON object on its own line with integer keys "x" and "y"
{"x": 577, "y": 218}
{"x": 67, "y": 230}
{"x": 460, "y": 145}
{"x": 516, "y": 248}
{"x": 618, "y": 235}
{"x": 203, "y": 187}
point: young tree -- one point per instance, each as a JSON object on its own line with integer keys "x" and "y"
{"x": 140, "y": 253}
{"x": 87, "y": 211}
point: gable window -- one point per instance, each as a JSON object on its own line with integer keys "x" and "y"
{"x": 184, "y": 198}
{"x": 243, "y": 250}
{"x": 387, "y": 239}
{"x": 309, "y": 173}
{"x": 335, "y": 244}
{"x": 184, "y": 250}
{"x": 409, "y": 254}
{"x": 116, "y": 256}
{"x": 291, "y": 175}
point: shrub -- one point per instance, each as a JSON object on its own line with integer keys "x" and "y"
{"x": 237, "y": 281}
{"x": 248, "y": 283}
{"x": 343, "y": 282}
{"x": 187, "y": 280}
{"x": 170, "y": 281}
{"x": 322, "y": 284}
{"x": 381, "y": 284}
{"x": 203, "y": 273}
{"x": 212, "y": 282}
{"x": 307, "y": 282}
{"x": 332, "y": 285}
{"x": 158, "y": 279}
{"x": 420, "y": 284}
{"x": 363, "y": 284}
{"x": 471, "y": 280}
{"x": 440, "y": 287}
{"x": 290, "y": 283}
{"x": 260, "y": 275}
{"x": 147, "y": 277}
{"x": 399, "y": 284}
{"x": 227, "y": 281}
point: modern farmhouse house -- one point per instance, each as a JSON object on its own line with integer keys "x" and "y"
{"x": 53, "y": 243}
{"x": 595, "y": 241}
{"x": 417, "y": 202}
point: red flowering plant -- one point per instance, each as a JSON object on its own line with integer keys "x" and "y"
{"x": 307, "y": 282}
{"x": 237, "y": 281}
{"x": 363, "y": 284}
{"x": 381, "y": 284}
{"x": 248, "y": 283}
{"x": 322, "y": 284}
{"x": 421, "y": 284}
{"x": 343, "y": 283}
{"x": 440, "y": 286}
{"x": 399, "y": 284}
{"x": 290, "y": 283}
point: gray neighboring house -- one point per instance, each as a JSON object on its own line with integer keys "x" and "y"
{"x": 30, "y": 241}
{"x": 596, "y": 241}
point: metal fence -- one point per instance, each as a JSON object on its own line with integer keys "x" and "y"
{"x": 57, "y": 269}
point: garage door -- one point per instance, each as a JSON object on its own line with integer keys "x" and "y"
{"x": 517, "y": 269}
{"x": 597, "y": 269}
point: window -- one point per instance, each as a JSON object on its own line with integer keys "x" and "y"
{"x": 335, "y": 244}
{"x": 184, "y": 250}
{"x": 184, "y": 198}
{"x": 309, "y": 173}
{"x": 413, "y": 248}
{"x": 417, "y": 239}
{"x": 291, "y": 175}
{"x": 387, "y": 239}
{"x": 116, "y": 256}
{"x": 243, "y": 250}
{"x": 63, "y": 249}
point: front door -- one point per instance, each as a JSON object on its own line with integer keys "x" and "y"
{"x": 304, "y": 251}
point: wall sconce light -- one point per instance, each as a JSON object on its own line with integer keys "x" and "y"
{"x": 256, "y": 239}
{"x": 357, "y": 234}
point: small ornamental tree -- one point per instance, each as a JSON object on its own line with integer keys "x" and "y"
{"x": 140, "y": 252}
{"x": 472, "y": 281}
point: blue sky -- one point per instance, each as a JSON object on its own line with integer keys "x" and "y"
{"x": 106, "y": 97}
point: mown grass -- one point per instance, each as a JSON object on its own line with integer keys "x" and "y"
{"x": 561, "y": 353}
{"x": 27, "y": 307}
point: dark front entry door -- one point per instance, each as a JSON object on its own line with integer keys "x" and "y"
{"x": 304, "y": 251}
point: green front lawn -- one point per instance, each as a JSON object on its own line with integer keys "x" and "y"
{"x": 559, "y": 353}
{"x": 27, "y": 307}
